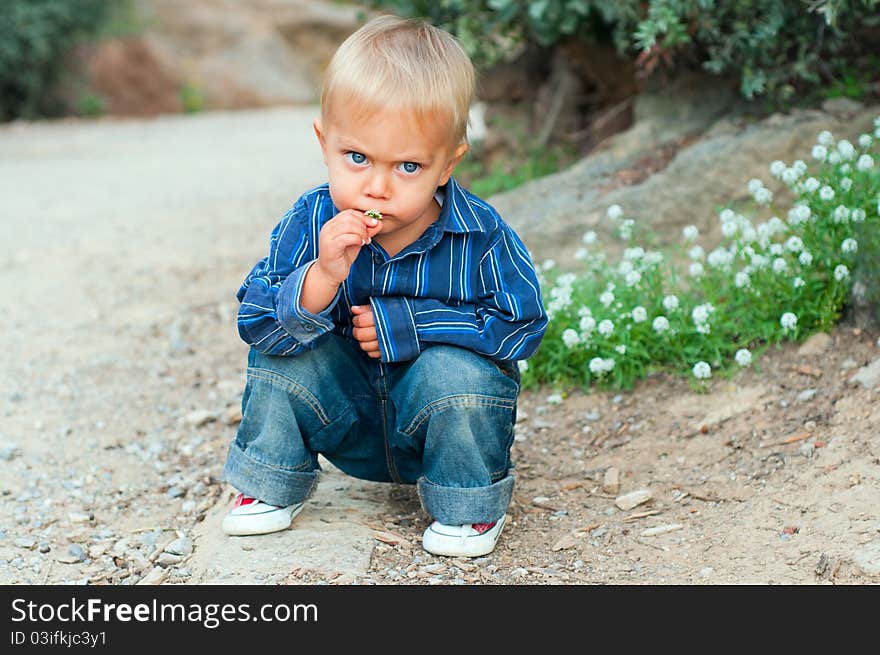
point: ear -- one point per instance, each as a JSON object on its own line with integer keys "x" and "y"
{"x": 457, "y": 154}
{"x": 319, "y": 132}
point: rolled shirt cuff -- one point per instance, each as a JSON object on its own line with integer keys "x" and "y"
{"x": 301, "y": 324}
{"x": 395, "y": 328}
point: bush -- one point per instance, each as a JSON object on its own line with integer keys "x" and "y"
{"x": 35, "y": 38}
{"x": 772, "y": 46}
{"x": 770, "y": 281}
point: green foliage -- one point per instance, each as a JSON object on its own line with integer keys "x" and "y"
{"x": 35, "y": 38}
{"x": 767, "y": 282}
{"x": 772, "y": 46}
{"x": 192, "y": 97}
{"x": 526, "y": 161}
{"x": 90, "y": 104}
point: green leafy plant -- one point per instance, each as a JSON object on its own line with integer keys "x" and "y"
{"x": 192, "y": 97}
{"x": 770, "y": 280}
{"x": 772, "y": 46}
{"x": 90, "y": 104}
{"x": 35, "y": 38}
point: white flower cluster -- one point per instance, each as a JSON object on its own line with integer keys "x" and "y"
{"x": 560, "y": 295}
{"x": 702, "y": 370}
{"x": 570, "y": 338}
{"x": 600, "y": 366}
{"x": 660, "y": 324}
{"x": 700, "y": 316}
{"x": 762, "y": 195}
{"x": 788, "y": 321}
{"x": 743, "y": 357}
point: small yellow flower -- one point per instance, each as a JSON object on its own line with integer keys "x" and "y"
{"x": 372, "y": 213}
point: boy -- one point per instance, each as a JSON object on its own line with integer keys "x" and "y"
{"x": 386, "y": 321}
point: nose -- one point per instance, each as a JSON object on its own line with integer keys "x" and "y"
{"x": 378, "y": 184}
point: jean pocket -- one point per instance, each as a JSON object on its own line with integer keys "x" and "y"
{"x": 509, "y": 368}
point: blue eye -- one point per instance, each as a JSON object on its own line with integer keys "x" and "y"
{"x": 410, "y": 167}
{"x": 356, "y": 158}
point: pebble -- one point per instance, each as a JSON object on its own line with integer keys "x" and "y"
{"x": 592, "y": 415}
{"x": 199, "y": 417}
{"x": 567, "y": 541}
{"x": 156, "y": 576}
{"x": 815, "y": 345}
{"x": 44, "y": 547}
{"x": 633, "y": 499}
{"x": 75, "y": 550}
{"x": 611, "y": 480}
{"x": 706, "y": 571}
{"x": 807, "y": 449}
{"x": 9, "y": 451}
{"x": 868, "y": 376}
{"x": 232, "y": 415}
{"x": 167, "y": 559}
{"x": 181, "y": 546}
{"x": 27, "y": 542}
{"x": 80, "y": 517}
{"x": 806, "y": 395}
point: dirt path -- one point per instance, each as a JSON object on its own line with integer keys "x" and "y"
{"x": 124, "y": 244}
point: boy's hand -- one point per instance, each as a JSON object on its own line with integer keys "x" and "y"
{"x": 341, "y": 240}
{"x": 365, "y": 330}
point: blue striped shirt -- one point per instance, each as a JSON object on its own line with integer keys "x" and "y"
{"x": 468, "y": 281}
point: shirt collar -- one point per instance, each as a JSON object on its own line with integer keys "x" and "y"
{"x": 459, "y": 213}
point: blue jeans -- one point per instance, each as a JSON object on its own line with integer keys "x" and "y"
{"x": 443, "y": 421}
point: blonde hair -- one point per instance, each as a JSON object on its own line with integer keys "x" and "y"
{"x": 401, "y": 64}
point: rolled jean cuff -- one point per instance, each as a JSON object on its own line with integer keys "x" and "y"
{"x": 462, "y": 505}
{"x": 271, "y": 484}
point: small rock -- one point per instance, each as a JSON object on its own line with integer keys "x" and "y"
{"x": 26, "y": 542}
{"x": 156, "y": 576}
{"x": 182, "y": 546}
{"x": 74, "y": 555}
{"x": 80, "y": 517}
{"x": 567, "y": 541}
{"x": 806, "y": 395}
{"x": 815, "y": 345}
{"x": 96, "y": 550}
{"x": 232, "y": 415}
{"x": 199, "y": 418}
{"x": 44, "y": 547}
{"x": 868, "y": 376}
{"x": 611, "y": 481}
{"x": 592, "y": 415}
{"x": 868, "y": 558}
{"x": 848, "y": 363}
{"x": 706, "y": 571}
{"x": 167, "y": 559}
{"x": 841, "y": 106}
{"x": 175, "y": 492}
{"x": 75, "y": 550}
{"x": 9, "y": 451}
{"x": 633, "y": 498}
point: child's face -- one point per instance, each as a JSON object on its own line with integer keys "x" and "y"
{"x": 390, "y": 162}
